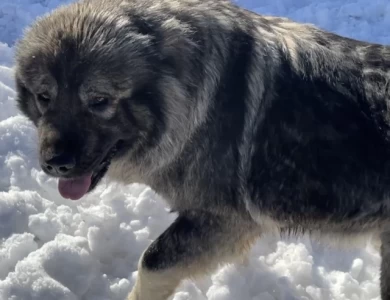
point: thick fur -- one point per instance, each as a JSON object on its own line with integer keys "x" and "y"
{"x": 244, "y": 123}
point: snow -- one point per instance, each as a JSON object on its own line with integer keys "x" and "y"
{"x": 51, "y": 248}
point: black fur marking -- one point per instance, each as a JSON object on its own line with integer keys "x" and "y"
{"x": 375, "y": 57}
{"x": 310, "y": 153}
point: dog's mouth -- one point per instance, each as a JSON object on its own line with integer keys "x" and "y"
{"x": 76, "y": 188}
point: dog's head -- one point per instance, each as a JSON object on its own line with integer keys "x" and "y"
{"x": 87, "y": 76}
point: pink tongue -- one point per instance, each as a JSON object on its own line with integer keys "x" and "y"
{"x": 74, "y": 188}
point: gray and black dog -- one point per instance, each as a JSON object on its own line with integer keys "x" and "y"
{"x": 245, "y": 124}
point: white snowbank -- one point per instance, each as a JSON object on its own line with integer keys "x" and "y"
{"x": 51, "y": 248}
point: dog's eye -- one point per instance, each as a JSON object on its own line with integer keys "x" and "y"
{"x": 43, "y": 98}
{"x": 98, "y": 102}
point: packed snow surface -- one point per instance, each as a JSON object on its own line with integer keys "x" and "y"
{"x": 52, "y": 248}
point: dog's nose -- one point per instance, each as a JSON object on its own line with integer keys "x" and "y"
{"x": 60, "y": 164}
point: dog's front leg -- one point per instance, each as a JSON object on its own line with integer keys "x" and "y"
{"x": 195, "y": 244}
{"x": 385, "y": 266}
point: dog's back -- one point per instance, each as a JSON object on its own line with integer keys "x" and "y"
{"x": 322, "y": 150}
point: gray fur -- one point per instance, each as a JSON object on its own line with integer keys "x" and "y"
{"x": 244, "y": 123}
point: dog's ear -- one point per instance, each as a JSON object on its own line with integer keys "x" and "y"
{"x": 177, "y": 37}
{"x": 25, "y": 101}
{"x": 173, "y": 40}
{"x": 178, "y": 43}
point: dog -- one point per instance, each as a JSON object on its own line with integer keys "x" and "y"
{"x": 245, "y": 124}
